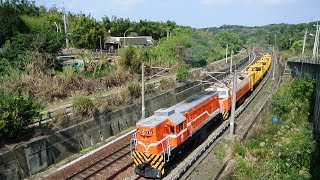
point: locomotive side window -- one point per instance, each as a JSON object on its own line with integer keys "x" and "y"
{"x": 180, "y": 127}
{"x": 172, "y": 129}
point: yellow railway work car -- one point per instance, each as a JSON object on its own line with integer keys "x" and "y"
{"x": 264, "y": 65}
{"x": 259, "y": 69}
{"x": 255, "y": 73}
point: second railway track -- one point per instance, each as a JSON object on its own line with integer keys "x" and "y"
{"x": 98, "y": 168}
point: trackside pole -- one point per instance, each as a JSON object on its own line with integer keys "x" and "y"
{"x": 143, "y": 110}
{"x": 233, "y": 107}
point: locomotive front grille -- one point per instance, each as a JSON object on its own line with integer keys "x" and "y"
{"x": 144, "y": 159}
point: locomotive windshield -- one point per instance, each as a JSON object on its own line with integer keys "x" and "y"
{"x": 223, "y": 93}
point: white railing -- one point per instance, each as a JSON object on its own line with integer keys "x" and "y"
{"x": 133, "y": 142}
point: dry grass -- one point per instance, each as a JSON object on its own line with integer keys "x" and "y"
{"x": 83, "y": 107}
{"x": 50, "y": 88}
{"x": 61, "y": 119}
{"x": 114, "y": 101}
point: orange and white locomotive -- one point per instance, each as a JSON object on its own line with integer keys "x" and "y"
{"x": 162, "y": 134}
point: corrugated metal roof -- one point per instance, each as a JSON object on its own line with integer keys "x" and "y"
{"x": 175, "y": 113}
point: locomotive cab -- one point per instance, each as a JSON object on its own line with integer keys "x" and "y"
{"x": 221, "y": 89}
{"x": 156, "y": 136}
{"x": 223, "y": 92}
{"x": 147, "y": 155}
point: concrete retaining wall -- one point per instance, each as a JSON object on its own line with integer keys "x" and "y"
{"x": 300, "y": 68}
{"x": 37, "y": 154}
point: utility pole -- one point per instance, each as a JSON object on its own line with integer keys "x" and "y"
{"x": 227, "y": 53}
{"x": 290, "y": 39}
{"x": 316, "y": 42}
{"x": 254, "y": 54}
{"x": 318, "y": 30}
{"x": 233, "y": 106}
{"x": 56, "y": 26}
{"x": 100, "y": 44}
{"x": 143, "y": 110}
{"x": 65, "y": 27}
{"x": 231, "y": 61}
{"x": 124, "y": 37}
{"x": 274, "y": 63}
{"x": 249, "y": 55}
{"x": 304, "y": 41}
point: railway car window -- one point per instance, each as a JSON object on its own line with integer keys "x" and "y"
{"x": 172, "y": 129}
{"x": 180, "y": 127}
{"x": 223, "y": 93}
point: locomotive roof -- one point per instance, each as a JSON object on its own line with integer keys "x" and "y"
{"x": 175, "y": 112}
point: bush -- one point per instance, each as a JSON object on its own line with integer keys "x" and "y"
{"x": 296, "y": 95}
{"x": 200, "y": 55}
{"x": 118, "y": 78}
{"x": 130, "y": 59}
{"x": 16, "y": 114}
{"x": 282, "y": 150}
{"x": 166, "y": 84}
{"x": 61, "y": 119}
{"x": 83, "y": 106}
{"x": 134, "y": 90}
{"x": 182, "y": 73}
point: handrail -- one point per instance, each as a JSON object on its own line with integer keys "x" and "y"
{"x": 133, "y": 140}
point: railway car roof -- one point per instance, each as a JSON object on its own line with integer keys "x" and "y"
{"x": 175, "y": 113}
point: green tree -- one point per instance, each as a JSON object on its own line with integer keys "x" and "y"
{"x": 119, "y": 25}
{"x": 130, "y": 59}
{"x": 232, "y": 39}
{"x": 296, "y": 47}
{"x": 86, "y": 32}
{"x": 182, "y": 73}
{"x": 42, "y": 38}
{"x": 200, "y": 55}
{"x": 10, "y": 23}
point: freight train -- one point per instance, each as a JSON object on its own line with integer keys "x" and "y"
{"x": 160, "y": 136}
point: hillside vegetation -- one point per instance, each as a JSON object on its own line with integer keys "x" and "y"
{"x": 283, "y": 150}
{"x": 32, "y": 37}
{"x": 284, "y": 36}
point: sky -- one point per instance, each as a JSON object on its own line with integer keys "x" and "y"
{"x": 198, "y": 13}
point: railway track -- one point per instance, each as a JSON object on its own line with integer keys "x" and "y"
{"x": 101, "y": 165}
{"x": 185, "y": 168}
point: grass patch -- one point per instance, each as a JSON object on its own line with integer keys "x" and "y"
{"x": 83, "y": 106}
{"x": 219, "y": 153}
